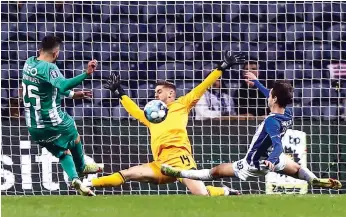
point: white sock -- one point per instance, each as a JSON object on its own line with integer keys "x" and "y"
{"x": 197, "y": 174}
{"x": 305, "y": 174}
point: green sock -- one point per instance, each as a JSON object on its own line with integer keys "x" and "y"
{"x": 67, "y": 164}
{"x": 78, "y": 156}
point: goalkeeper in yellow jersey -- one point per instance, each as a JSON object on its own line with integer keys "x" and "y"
{"x": 169, "y": 140}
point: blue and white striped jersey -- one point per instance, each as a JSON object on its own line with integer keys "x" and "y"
{"x": 269, "y": 135}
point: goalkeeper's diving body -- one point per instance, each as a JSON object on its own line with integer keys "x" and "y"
{"x": 169, "y": 140}
{"x": 43, "y": 84}
{"x": 258, "y": 161}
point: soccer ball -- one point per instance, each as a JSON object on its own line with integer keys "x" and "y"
{"x": 155, "y": 111}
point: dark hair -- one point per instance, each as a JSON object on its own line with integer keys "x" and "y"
{"x": 166, "y": 84}
{"x": 283, "y": 91}
{"x": 50, "y": 42}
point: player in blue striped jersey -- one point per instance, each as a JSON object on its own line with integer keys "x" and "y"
{"x": 265, "y": 153}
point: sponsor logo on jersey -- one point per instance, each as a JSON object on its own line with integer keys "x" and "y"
{"x": 54, "y": 74}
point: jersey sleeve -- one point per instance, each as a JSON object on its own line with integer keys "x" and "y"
{"x": 67, "y": 93}
{"x": 262, "y": 88}
{"x": 56, "y": 78}
{"x": 190, "y": 99}
{"x": 272, "y": 127}
{"x": 132, "y": 108}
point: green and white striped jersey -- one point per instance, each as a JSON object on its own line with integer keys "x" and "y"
{"x": 41, "y": 95}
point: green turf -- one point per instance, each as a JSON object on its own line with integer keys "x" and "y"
{"x": 174, "y": 206}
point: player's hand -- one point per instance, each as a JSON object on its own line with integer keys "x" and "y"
{"x": 91, "y": 66}
{"x": 85, "y": 94}
{"x": 113, "y": 84}
{"x": 249, "y": 83}
{"x": 249, "y": 77}
{"x": 269, "y": 165}
{"x": 230, "y": 60}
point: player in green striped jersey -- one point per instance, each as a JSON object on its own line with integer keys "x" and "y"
{"x": 43, "y": 84}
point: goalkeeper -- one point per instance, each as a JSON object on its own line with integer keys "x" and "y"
{"x": 48, "y": 125}
{"x": 169, "y": 140}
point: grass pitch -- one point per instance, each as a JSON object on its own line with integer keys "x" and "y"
{"x": 175, "y": 206}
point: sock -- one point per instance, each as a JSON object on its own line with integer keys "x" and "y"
{"x": 68, "y": 165}
{"x": 216, "y": 191}
{"x": 197, "y": 174}
{"x": 113, "y": 180}
{"x": 305, "y": 174}
{"x": 78, "y": 156}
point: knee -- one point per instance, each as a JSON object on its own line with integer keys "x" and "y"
{"x": 67, "y": 152}
{"x": 292, "y": 170}
{"x": 77, "y": 140}
{"x": 216, "y": 172}
{"x": 62, "y": 154}
{"x": 296, "y": 168}
{"x": 198, "y": 188}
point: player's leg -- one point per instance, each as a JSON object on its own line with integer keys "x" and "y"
{"x": 197, "y": 187}
{"x": 151, "y": 173}
{"x": 74, "y": 158}
{"x": 140, "y": 173}
{"x": 181, "y": 159}
{"x": 222, "y": 170}
{"x": 293, "y": 169}
{"x": 78, "y": 154}
{"x": 190, "y": 179}
{"x": 78, "y": 157}
{"x": 68, "y": 165}
{"x": 65, "y": 159}
{"x": 70, "y": 135}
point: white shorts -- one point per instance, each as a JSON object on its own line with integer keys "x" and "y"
{"x": 243, "y": 170}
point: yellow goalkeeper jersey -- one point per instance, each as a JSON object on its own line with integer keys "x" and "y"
{"x": 172, "y": 131}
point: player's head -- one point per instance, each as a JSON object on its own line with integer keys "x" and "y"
{"x": 251, "y": 66}
{"x": 280, "y": 95}
{"x": 165, "y": 91}
{"x": 51, "y": 45}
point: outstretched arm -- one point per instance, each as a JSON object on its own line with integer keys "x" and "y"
{"x": 252, "y": 78}
{"x": 195, "y": 94}
{"x": 132, "y": 108}
{"x": 262, "y": 88}
{"x": 67, "y": 93}
{"x": 83, "y": 94}
{"x": 63, "y": 84}
{"x": 113, "y": 84}
{"x": 59, "y": 81}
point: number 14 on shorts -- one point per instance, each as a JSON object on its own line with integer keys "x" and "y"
{"x": 185, "y": 160}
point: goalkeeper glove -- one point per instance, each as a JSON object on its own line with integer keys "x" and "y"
{"x": 230, "y": 60}
{"x": 113, "y": 84}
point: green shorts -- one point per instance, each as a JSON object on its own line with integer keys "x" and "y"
{"x": 56, "y": 139}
